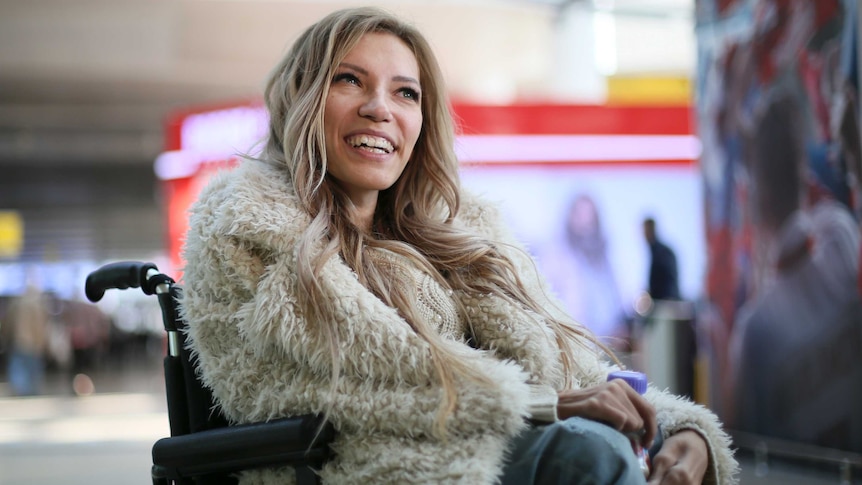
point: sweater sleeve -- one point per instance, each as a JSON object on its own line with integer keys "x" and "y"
{"x": 543, "y": 403}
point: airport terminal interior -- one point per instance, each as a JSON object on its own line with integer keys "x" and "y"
{"x": 582, "y": 118}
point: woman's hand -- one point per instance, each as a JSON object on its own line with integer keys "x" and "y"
{"x": 682, "y": 459}
{"x": 614, "y": 403}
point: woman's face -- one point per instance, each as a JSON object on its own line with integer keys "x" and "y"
{"x": 372, "y": 116}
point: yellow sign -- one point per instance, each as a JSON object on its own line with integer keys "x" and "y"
{"x": 672, "y": 90}
{"x": 11, "y": 234}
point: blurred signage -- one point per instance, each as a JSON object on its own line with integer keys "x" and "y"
{"x": 229, "y": 131}
{"x": 11, "y": 234}
{"x": 649, "y": 90}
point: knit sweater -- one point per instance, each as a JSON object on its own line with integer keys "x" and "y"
{"x": 437, "y": 306}
{"x": 264, "y": 358}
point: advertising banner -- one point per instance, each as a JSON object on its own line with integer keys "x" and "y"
{"x": 777, "y": 112}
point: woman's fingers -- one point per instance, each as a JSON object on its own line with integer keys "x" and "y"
{"x": 647, "y": 412}
{"x": 614, "y": 403}
{"x": 683, "y": 459}
{"x": 631, "y": 407}
{"x": 639, "y": 416}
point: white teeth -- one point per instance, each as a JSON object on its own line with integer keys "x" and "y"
{"x": 371, "y": 142}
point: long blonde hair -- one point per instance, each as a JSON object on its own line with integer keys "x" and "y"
{"x": 413, "y": 218}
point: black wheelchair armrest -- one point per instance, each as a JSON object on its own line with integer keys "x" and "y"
{"x": 284, "y": 442}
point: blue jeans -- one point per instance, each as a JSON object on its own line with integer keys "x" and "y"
{"x": 574, "y": 451}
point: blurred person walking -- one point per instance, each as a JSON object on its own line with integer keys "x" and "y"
{"x": 663, "y": 274}
{"x": 29, "y": 318}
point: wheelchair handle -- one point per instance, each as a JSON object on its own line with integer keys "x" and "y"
{"x": 120, "y": 275}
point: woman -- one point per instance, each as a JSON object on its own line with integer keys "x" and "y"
{"x": 345, "y": 272}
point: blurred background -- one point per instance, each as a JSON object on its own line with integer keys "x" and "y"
{"x": 583, "y": 118}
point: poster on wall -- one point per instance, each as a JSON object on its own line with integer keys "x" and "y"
{"x": 778, "y": 117}
{"x": 583, "y": 224}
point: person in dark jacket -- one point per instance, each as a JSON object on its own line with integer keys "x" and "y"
{"x": 663, "y": 274}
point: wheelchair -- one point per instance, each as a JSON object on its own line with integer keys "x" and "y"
{"x": 203, "y": 447}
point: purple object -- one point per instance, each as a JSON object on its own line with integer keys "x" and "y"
{"x": 638, "y": 380}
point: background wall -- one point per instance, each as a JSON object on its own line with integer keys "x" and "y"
{"x": 86, "y": 86}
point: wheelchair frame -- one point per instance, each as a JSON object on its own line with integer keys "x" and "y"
{"x": 203, "y": 448}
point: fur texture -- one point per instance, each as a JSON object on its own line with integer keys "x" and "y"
{"x": 263, "y": 359}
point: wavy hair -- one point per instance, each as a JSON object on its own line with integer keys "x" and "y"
{"x": 413, "y": 218}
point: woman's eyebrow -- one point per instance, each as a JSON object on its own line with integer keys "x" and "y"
{"x": 406, "y": 79}
{"x": 364, "y": 72}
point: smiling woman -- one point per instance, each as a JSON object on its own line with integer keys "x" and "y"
{"x": 372, "y": 120}
{"x": 346, "y": 272}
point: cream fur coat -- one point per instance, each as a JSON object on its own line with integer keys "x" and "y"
{"x": 263, "y": 359}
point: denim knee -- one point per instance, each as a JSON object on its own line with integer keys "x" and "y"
{"x": 604, "y": 452}
{"x": 574, "y": 451}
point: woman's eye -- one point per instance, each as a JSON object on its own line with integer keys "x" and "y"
{"x": 410, "y": 93}
{"x": 346, "y": 77}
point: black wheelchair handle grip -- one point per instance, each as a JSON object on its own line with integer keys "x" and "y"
{"x": 120, "y": 275}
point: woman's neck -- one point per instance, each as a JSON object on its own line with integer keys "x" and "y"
{"x": 362, "y": 211}
{"x": 363, "y": 218}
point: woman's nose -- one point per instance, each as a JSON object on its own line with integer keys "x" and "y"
{"x": 375, "y": 108}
